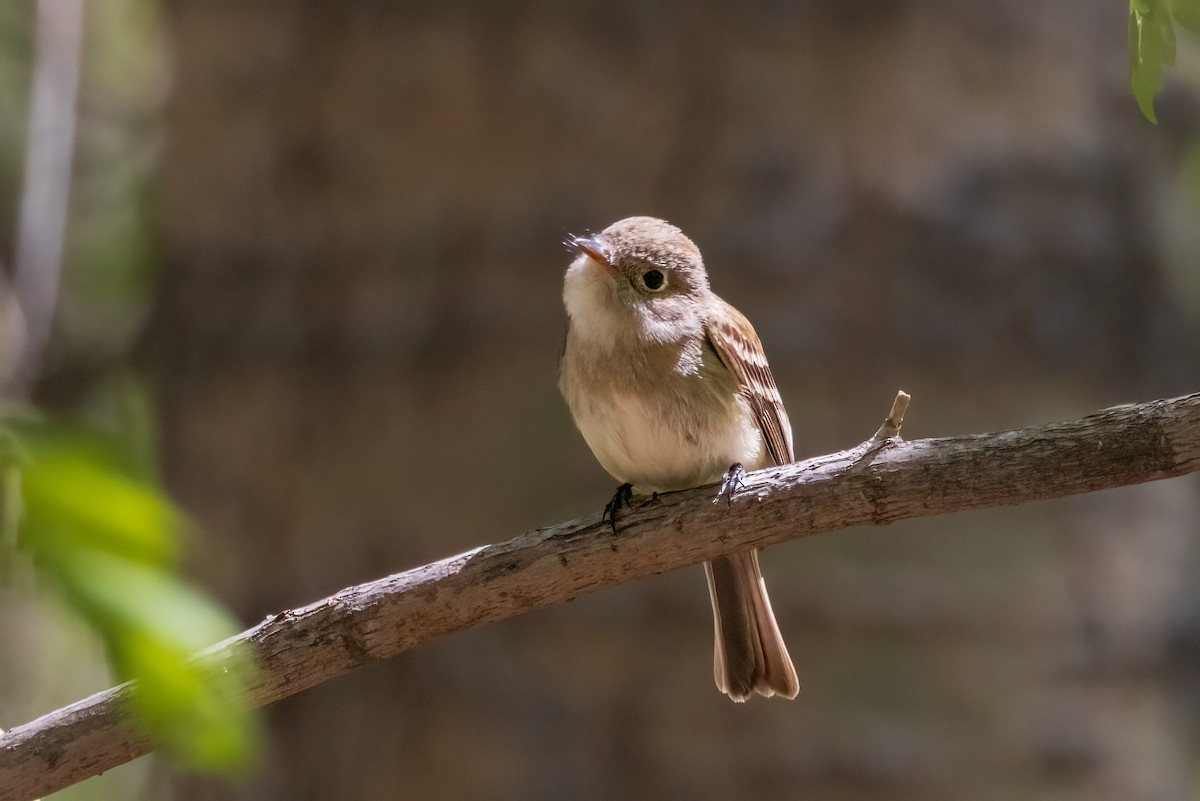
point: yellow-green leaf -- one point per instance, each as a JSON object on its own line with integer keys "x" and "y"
{"x": 109, "y": 540}
{"x": 1151, "y": 48}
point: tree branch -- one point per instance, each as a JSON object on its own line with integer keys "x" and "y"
{"x": 881, "y": 481}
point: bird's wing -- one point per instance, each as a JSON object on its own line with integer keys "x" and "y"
{"x": 739, "y": 348}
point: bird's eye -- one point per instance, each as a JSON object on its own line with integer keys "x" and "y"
{"x": 653, "y": 280}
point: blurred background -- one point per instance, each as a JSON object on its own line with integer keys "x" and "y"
{"x": 324, "y": 242}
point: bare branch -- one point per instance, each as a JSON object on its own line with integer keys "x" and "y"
{"x": 895, "y": 419}
{"x": 304, "y": 647}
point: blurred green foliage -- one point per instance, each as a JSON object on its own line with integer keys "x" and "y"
{"x": 112, "y": 257}
{"x": 109, "y": 541}
{"x": 82, "y": 504}
{"x": 1152, "y": 44}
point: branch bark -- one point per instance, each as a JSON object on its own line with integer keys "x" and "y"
{"x": 881, "y": 481}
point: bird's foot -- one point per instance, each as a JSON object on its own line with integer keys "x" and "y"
{"x": 731, "y": 482}
{"x": 623, "y": 495}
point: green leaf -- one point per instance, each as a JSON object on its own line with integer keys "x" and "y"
{"x": 1151, "y": 47}
{"x": 1187, "y": 14}
{"x": 155, "y": 626}
{"x": 74, "y": 495}
{"x": 109, "y": 541}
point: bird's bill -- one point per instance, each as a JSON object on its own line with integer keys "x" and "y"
{"x": 594, "y": 248}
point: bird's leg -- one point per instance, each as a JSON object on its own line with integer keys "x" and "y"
{"x": 623, "y": 495}
{"x": 731, "y": 482}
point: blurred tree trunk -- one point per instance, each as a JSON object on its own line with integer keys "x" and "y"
{"x": 364, "y": 204}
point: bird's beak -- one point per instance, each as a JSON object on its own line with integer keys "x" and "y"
{"x": 592, "y": 247}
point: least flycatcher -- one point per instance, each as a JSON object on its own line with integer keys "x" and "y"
{"x": 670, "y": 387}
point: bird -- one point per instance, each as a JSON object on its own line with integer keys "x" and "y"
{"x": 670, "y": 388}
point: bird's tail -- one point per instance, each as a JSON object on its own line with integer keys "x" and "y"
{"x": 750, "y": 655}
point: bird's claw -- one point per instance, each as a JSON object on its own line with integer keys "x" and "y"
{"x": 731, "y": 482}
{"x": 623, "y": 495}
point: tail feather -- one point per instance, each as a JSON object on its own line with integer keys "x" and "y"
{"x": 750, "y": 656}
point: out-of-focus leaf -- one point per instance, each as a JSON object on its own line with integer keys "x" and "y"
{"x": 109, "y": 541}
{"x": 205, "y": 690}
{"x": 1187, "y": 14}
{"x": 1152, "y": 44}
{"x": 1151, "y": 47}
{"x": 155, "y": 626}
{"x": 117, "y": 592}
{"x": 74, "y": 496}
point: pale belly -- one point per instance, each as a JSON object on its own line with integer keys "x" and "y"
{"x": 664, "y": 444}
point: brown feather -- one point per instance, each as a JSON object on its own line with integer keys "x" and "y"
{"x": 738, "y": 346}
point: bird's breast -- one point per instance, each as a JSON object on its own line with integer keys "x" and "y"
{"x": 684, "y": 432}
